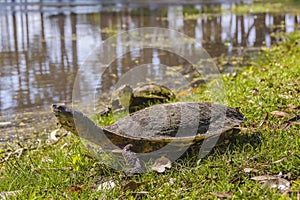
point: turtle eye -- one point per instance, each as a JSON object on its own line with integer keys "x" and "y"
{"x": 54, "y": 106}
{"x": 61, "y": 108}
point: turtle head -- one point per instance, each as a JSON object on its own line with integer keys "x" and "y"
{"x": 65, "y": 117}
{"x": 59, "y": 109}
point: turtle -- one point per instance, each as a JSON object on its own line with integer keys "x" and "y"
{"x": 166, "y": 129}
{"x": 140, "y": 97}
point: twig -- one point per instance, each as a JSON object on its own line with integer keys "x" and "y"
{"x": 20, "y": 151}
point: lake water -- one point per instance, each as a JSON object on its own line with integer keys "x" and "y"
{"x": 43, "y": 45}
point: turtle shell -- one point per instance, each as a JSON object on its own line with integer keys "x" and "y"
{"x": 149, "y": 94}
{"x": 142, "y": 96}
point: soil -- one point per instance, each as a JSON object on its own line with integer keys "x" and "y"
{"x": 26, "y": 126}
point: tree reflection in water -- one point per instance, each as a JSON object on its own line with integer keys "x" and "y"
{"x": 42, "y": 45}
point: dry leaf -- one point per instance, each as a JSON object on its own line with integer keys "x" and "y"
{"x": 223, "y": 194}
{"x": 291, "y": 106}
{"x": 141, "y": 192}
{"x": 285, "y": 96}
{"x": 279, "y": 183}
{"x": 75, "y": 189}
{"x": 132, "y": 186}
{"x": 287, "y": 176}
{"x": 53, "y": 135}
{"x": 108, "y": 185}
{"x": 280, "y": 160}
{"x": 294, "y": 119}
{"x": 161, "y": 164}
{"x": 249, "y": 170}
{"x": 290, "y": 122}
{"x": 263, "y": 178}
{"x": 4, "y": 124}
{"x": 7, "y": 195}
{"x": 280, "y": 114}
{"x": 273, "y": 182}
{"x": 22, "y": 124}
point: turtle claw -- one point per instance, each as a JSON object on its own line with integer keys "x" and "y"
{"x": 131, "y": 160}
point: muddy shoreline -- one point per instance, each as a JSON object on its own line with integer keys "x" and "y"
{"x": 26, "y": 126}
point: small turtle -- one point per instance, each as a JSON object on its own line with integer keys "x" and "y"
{"x": 139, "y": 98}
{"x": 159, "y": 130}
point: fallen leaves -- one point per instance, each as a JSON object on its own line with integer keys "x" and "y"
{"x": 4, "y": 124}
{"x": 22, "y": 124}
{"x": 132, "y": 186}
{"x": 53, "y": 135}
{"x": 250, "y": 170}
{"x": 56, "y": 135}
{"x": 18, "y": 152}
{"x": 161, "y": 164}
{"x": 223, "y": 195}
{"x": 263, "y": 178}
{"x": 292, "y": 106}
{"x": 75, "y": 189}
{"x": 9, "y": 194}
{"x": 108, "y": 185}
{"x": 8, "y": 153}
{"x": 269, "y": 181}
{"x": 280, "y": 114}
{"x": 280, "y": 160}
{"x": 280, "y": 181}
{"x": 292, "y": 121}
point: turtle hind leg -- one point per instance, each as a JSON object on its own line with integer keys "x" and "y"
{"x": 131, "y": 160}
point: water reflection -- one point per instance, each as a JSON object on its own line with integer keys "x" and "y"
{"x": 42, "y": 47}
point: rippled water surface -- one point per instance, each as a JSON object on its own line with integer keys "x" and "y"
{"x": 43, "y": 45}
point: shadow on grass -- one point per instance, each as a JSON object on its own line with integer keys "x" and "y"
{"x": 241, "y": 142}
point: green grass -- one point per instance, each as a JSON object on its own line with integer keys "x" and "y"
{"x": 287, "y": 6}
{"x": 65, "y": 170}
